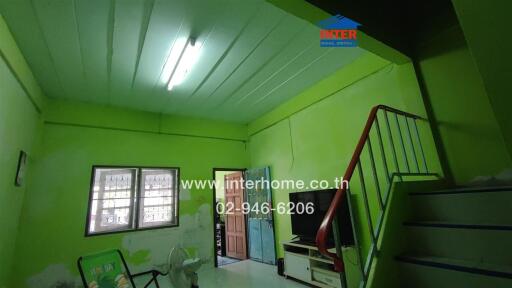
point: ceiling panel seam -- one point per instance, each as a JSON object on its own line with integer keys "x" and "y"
{"x": 110, "y": 46}
{"x": 264, "y": 108}
{"x": 80, "y": 47}
{"x": 223, "y": 56}
{"x": 148, "y": 11}
{"x": 247, "y": 56}
{"x": 264, "y": 65}
{"x": 294, "y": 75}
{"x": 323, "y": 98}
{"x": 52, "y": 60}
{"x": 274, "y": 74}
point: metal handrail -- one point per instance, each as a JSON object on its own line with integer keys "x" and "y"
{"x": 355, "y": 163}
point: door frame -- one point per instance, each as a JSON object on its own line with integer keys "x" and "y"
{"x": 214, "y": 213}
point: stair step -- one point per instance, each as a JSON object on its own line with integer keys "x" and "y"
{"x": 481, "y": 268}
{"x": 472, "y": 242}
{"x": 435, "y": 224}
{"x": 458, "y": 237}
{"x": 465, "y": 190}
{"x": 438, "y": 272}
{"x": 488, "y": 207}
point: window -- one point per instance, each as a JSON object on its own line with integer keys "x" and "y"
{"x": 112, "y": 201}
{"x": 132, "y": 198}
{"x": 158, "y": 198}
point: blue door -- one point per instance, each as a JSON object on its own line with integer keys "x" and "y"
{"x": 260, "y": 219}
{"x": 255, "y": 243}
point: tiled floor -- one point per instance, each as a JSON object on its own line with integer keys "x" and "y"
{"x": 243, "y": 274}
{"x": 221, "y": 261}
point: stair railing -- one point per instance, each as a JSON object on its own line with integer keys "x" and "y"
{"x": 415, "y": 148}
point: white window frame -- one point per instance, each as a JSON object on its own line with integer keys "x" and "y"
{"x": 136, "y": 200}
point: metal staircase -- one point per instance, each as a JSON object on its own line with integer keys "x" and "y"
{"x": 400, "y": 154}
{"x": 457, "y": 237}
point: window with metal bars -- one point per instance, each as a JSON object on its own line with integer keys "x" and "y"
{"x": 132, "y": 198}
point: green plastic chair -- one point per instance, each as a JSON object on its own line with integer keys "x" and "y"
{"x": 109, "y": 270}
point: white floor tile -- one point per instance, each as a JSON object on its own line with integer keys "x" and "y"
{"x": 240, "y": 275}
{"x": 245, "y": 274}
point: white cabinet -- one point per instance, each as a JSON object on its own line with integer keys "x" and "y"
{"x": 297, "y": 266}
{"x": 329, "y": 278}
{"x": 305, "y": 263}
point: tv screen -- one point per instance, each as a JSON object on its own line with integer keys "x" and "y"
{"x": 305, "y": 225}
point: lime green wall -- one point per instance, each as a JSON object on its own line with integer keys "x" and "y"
{"x": 219, "y": 176}
{"x": 20, "y": 69}
{"x": 52, "y": 222}
{"x": 486, "y": 26}
{"x": 19, "y": 125}
{"x": 467, "y": 124}
{"x": 318, "y": 139}
{"x": 82, "y": 114}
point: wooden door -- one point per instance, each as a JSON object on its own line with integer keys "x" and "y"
{"x": 236, "y": 242}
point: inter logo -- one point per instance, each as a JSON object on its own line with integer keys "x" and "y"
{"x": 338, "y": 31}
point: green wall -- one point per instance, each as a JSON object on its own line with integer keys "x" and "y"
{"x": 486, "y": 26}
{"x": 466, "y": 121}
{"x": 52, "y": 222}
{"x": 82, "y": 114}
{"x": 19, "y": 126}
{"x": 20, "y": 70}
{"x": 318, "y": 139}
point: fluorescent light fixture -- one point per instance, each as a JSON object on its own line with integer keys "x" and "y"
{"x": 183, "y": 56}
{"x": 173, "y": 57}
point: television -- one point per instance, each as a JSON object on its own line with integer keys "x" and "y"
{"x": 305, "y": 226}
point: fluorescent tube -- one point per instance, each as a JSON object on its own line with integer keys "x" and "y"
{"x": 182, "y": 58}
